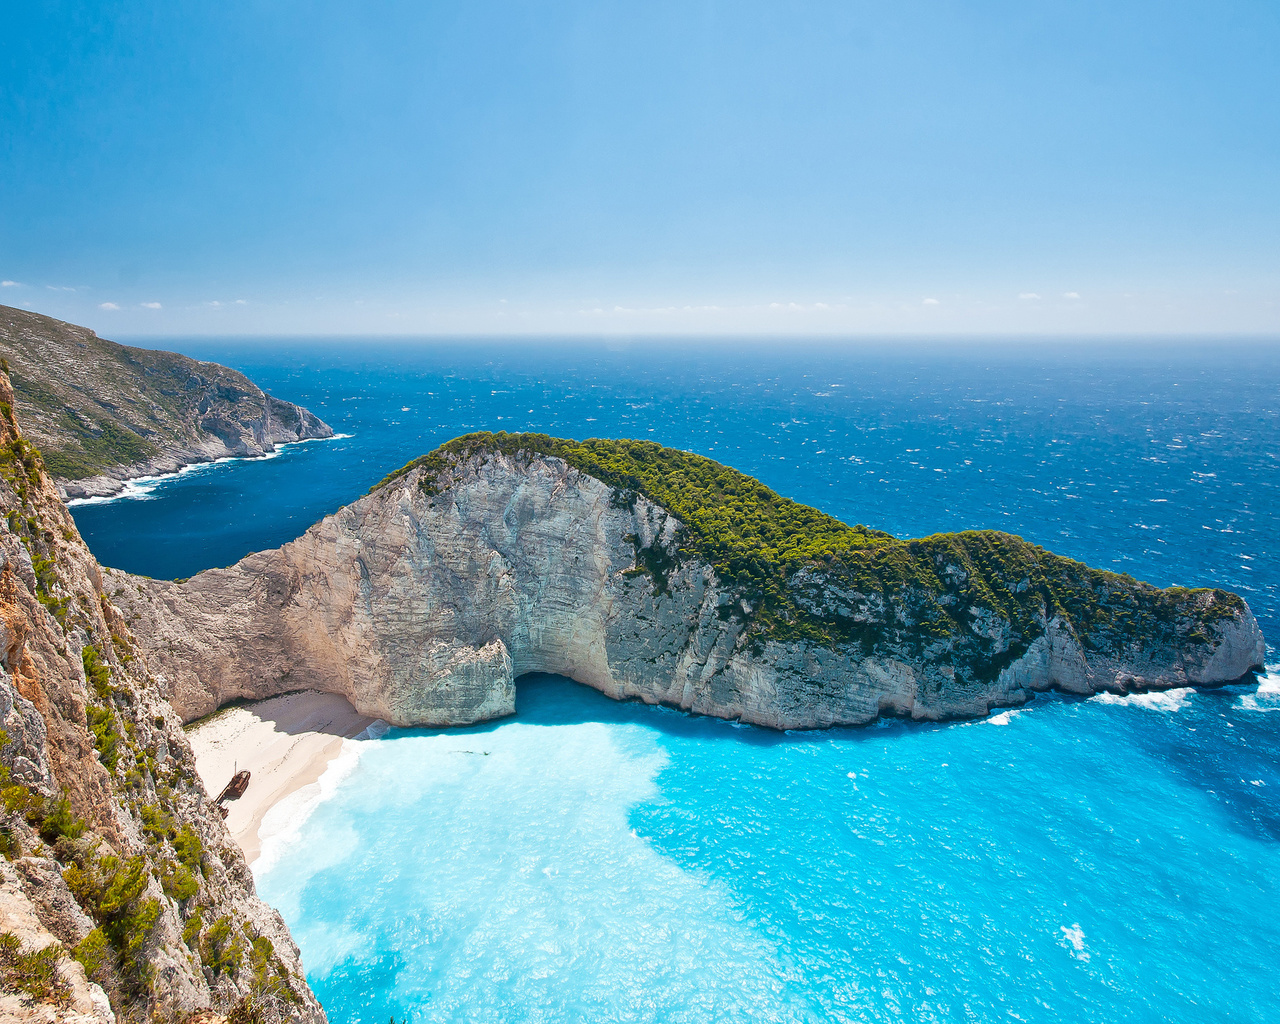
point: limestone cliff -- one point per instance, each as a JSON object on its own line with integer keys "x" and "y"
{"x": 103, "y": 413}
{"x": 495, "y": 556}
{"x": 122, "y": 895}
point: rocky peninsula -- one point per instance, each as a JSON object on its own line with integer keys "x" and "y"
{"x": 659, "y": 575}
{"x": 103, "y": 414}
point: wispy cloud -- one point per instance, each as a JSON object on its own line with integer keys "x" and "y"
{"x": 770, "y": 307}
{"x": 242, "y": 302}
{"x": 59, "y": 288}
{"x": 9, "y": 284}
{"x": 1029, "y": 296}
{"x": 800, "y": 307}
{"x": 625, "y": 310}
{"x": 107, "y": 305}
{"x": 929, "y": 302}
{"x": 151, "y": 305}
{"x": 1071, "y": 295}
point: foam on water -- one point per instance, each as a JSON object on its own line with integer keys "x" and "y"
{"x": 1156, "y": 700}
{"x": 1267, "y": 696}
{"x": 282, "y": 824}
{"x": 143, "y": 488}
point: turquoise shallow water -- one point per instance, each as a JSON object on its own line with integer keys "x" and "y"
{"x": 589, "y": 861}
{"x": 1076, "y": 860}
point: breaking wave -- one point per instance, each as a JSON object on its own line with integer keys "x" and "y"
{"x": 143, "y": 488}
{"x": 1157, "y": 700}
{"x": 282, "y": 824}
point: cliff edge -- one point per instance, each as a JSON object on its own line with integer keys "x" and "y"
{"x": 656, "y": 574}
{"x": 122, "y": 895}
{"x": 102, "y": 413}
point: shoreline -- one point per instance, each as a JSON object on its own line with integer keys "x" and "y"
{"x": 134, "y": 488}
{"x": 286, "y": 743}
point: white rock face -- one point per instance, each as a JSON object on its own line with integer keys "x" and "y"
{"x": 423, "y": 609}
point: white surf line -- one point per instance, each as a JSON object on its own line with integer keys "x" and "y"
{"x": 1266, "y": 697}
{"x": 282, "y": 824}
{"x": 140, "y": 487}
{"x": 1156, "y": 700}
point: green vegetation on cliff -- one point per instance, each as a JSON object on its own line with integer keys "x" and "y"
{"x": 126, "y": 830}
{"x": 741, "y": 525}
{"x": 93, "y": 405}
{"x": 791, "y": 563}
{"x": 35, "y": 973}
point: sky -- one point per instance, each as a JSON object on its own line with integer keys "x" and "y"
{"x": 605, "y": 168}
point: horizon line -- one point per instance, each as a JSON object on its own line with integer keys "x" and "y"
{"x": 1003, "y": 337}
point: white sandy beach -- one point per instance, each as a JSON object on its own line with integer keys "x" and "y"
{"x": 284, "y": 742}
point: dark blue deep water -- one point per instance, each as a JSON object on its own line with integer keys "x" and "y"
{"x": 1105, "y": 860}
{"x": 1161, "y": 463}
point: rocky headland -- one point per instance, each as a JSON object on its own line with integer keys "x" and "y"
{"x": 659, "y": 575}
{"x": 103, "y": 414}
{"x": 122, "y": 895}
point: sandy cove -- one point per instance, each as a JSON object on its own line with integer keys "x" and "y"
{"x": 284, "y": 742}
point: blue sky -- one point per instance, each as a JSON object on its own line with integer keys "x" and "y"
{"x": 642, "y": 167}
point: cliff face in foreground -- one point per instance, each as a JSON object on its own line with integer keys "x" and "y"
{"x": 122, "y": 895}
{"x": 504, "y": 554}
{"x": 103, "y": 413}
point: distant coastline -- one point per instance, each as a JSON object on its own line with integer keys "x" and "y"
{"x": 141, "y": 487}
{"x": 103, "y": 415}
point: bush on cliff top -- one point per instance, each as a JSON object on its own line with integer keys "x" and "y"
{"x": 738, "y": 517}
{"x": 760, "y": 542}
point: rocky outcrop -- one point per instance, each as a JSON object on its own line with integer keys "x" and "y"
{"x": 115, "y": 859}
{"x": 78, "y": 1000}
{"x": 102, "y": 414}
{"x": 424, "y": 600}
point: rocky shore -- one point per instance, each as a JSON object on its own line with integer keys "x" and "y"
{"x": 279, "y": 423}
{"x": 103, "y": 414}
{"x": 122, "y": 894}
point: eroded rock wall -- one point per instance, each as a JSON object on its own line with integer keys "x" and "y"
{"x": 113, "y": 850}
{"x": 421, "y": 608}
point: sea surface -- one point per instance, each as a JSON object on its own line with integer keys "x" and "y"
{"x": 1113, "y": 859}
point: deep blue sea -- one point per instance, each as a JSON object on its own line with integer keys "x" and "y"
{"x": 1115, "y": 859}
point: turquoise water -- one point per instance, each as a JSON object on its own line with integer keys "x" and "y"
{"x": 1102, "y": 860}
{"x": 1079, "y": 861}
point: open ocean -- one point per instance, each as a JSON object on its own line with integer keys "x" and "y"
{"x": 1114, "y": 859}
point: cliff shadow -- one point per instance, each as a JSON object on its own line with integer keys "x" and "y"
{"x": 298, "y": 712}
